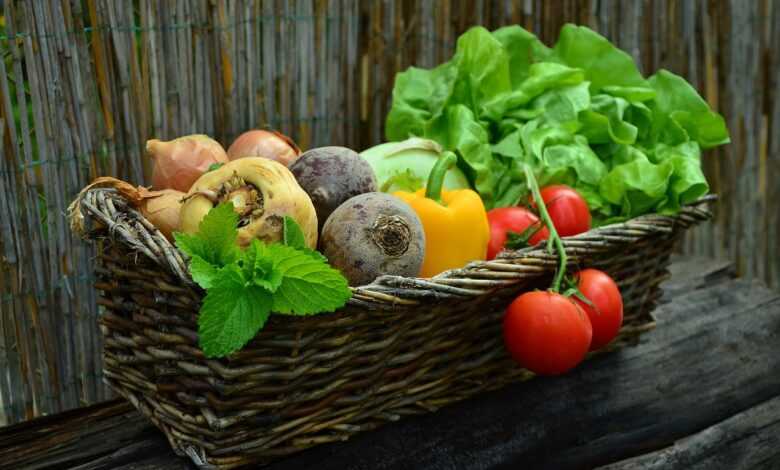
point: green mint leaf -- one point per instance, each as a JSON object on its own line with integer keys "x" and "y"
{"x": 309, "y": 285}
{"x": 214, "y": 166}
{"x": 266, "y": 276}
{"x": 202, "y": 272}
{"x": 232, "y": 313}
{"x": 192, "y": 245}
{"x": 293, "y": 235}
{"x": 215, "y": 241}
{"x": 315, "y": 254}
{"x": 259, "y": 268}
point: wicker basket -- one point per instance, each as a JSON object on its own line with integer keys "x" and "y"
{"x": 401, "y": 346}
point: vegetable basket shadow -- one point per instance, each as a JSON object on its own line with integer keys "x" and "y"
{"x": 400, "y": 346}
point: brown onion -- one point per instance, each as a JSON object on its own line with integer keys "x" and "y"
{"x": 178, "y": 163}
{"x": 266, "y": 144}
{"x": 162, "y": 209}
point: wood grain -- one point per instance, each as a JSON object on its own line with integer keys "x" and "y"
{"x": 84, "y": 83}
{"x": 750, "y": 439}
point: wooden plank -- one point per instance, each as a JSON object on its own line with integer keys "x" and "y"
{"x": 696, "y": 273}
{"x": 750, "y": 439}
{"x": 616, "y": 406}
{"x": 82, "y": 435}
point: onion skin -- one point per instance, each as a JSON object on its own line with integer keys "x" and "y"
{"x": 178, "y": 163}
{"x": 162, "y": 209}
{"x": 267, "y": 144}
{"x": 281, "y": 196}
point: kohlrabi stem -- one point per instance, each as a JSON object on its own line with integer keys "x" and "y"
{"x": 437, "y": 174}
{"x": 554, "y": 239}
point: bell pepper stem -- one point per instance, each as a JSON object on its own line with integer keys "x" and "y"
{"x": 437, "y": 174}
{"x": 554, "y": 239}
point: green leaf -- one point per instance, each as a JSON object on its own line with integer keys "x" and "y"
{"x": 557, "y": 156}
{"x": 634, "y": 94}
{"x": 215, "y": 241}
{"x": 232, "y": 313}
{"x": 523, "y": 49}
{"x": 266, "y": 275}
{"x": 636, "y": 187}
{"x": 466, "y": 135}
{"x": 202, "y": 272}
{"x": 679, "y": 107}
{"x": 542, "y": 77}
{"x": 604, "y": 122}
{"x": 687, "y": 182}
{"x": 258, "y": 268}
{"x": 293, "y": 235}
{"x": 483, "y": 67}
{"x": 308, "y": 285}
{"x": 563, "y": 105}
{"x": 418, "y": 96}
{"x": 604, "y": 64}
{"x": 214, "y": 166}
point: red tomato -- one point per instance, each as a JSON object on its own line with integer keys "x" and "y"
{"x": 511, "y": 219}
{"x": 546, "y": 332}
{"x": 568, "y": 210}
{"x": 606, "y": 314}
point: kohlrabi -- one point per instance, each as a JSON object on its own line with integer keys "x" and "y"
{"x": 405, "y": 165}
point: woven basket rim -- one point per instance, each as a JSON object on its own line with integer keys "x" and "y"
{"x": 477, "y": 278}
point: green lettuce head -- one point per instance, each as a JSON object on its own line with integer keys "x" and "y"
{"x": 579, "y": 113}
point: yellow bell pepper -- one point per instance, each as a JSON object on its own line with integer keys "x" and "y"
{"x": 455, "y": 222}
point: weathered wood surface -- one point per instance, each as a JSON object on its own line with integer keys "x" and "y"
{"x": 107, "y": 435}
{"x": 84, "y": 83}
{"x": 750, "y": 439}
{"x": 711, "y": 364}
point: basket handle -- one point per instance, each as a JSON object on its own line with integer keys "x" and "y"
{"x": 107, "y": 210}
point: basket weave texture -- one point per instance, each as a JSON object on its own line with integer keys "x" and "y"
{"x": 400, "y": 346}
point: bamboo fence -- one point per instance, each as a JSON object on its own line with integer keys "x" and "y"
{"x": 84, "y": 83}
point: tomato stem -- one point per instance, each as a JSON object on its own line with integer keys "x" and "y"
{"x": 554, "y": 239}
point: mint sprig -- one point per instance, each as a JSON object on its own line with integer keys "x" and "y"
{"x": 215, "y": 241}
{"x": 293, "y": 236}
{"x": 232, "y": 313}
{"x": 243, "y": 287}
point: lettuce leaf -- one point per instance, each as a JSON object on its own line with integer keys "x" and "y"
{"x": 678, "y": 106}
{"x": 579, "y": 113}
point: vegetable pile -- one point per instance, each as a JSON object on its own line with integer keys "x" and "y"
{"x": 459, "y": 182}
{"x": 579, "y": 113}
